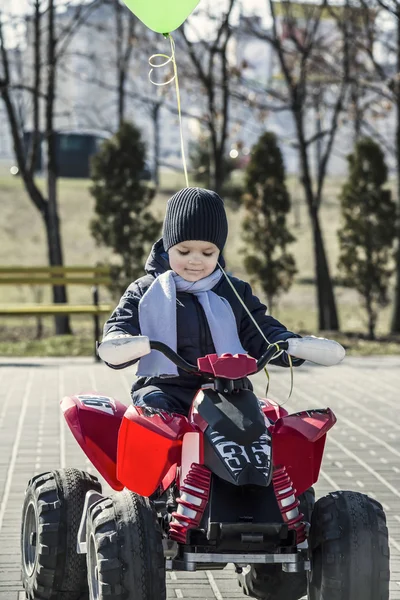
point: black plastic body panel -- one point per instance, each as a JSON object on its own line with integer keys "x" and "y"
{"x": 242, "y": 519}
{"x": 237, "y": 416}
{"x": 250, "y": 464}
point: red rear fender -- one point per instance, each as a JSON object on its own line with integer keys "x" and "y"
{"x": 149, "y": 448}
{"x": 95, "y": 421}
{"x": 298, "y": 444}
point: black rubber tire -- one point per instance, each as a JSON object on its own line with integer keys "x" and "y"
{"x": 125, "y": 553}
{"x": 269, "y": 582}
{"x": 54, "y": 501}
{"x": 350, "y": 549}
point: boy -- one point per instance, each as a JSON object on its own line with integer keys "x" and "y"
{"x": 186, "y": 302}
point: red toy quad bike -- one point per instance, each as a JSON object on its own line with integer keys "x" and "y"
{"x": 230, "y": 484}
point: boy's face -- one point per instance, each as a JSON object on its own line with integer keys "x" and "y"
{"x": 193, "y": 260}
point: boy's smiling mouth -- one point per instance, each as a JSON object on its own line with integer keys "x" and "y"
{"x": 193, "y": 273}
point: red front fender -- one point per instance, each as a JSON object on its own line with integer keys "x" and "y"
{"x": 95, "y": 421}
{"x": 298, "y": 442}
{"x": 149, "y": 448}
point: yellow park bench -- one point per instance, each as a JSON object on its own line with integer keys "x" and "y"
{"x": 38, "y": 276}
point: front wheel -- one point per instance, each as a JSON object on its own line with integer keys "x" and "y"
{"x": 349, "y": 549}
{"x": 125, "y": 556}
{"x": 53, "y": 505}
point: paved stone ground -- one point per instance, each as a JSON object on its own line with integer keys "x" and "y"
{"x": 362, "y": 451}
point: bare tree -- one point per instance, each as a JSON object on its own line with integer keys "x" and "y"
{"x": 386, "y": 69}
{"x": 211, "y": 65}
{"x": 314, "y": 65}
{"x": 43, "y": 19}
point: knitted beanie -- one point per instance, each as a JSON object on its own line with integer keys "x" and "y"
{"x": 195, "y": 214}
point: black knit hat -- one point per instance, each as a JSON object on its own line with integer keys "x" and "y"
{"x": 195, "y": 214}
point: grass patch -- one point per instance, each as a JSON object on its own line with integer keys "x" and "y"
{"x": 358, "y": 345}
{"x": 62, "y": 345}
{"x": 78, "y": 345}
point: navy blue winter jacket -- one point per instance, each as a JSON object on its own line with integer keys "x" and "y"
{"x": 193, "y": 334}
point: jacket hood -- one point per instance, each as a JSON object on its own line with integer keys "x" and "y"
{"x": 158, "y": 262}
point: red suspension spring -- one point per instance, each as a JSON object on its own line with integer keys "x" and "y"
{"x": 288, "y": 503}
{"x": 191, "y": 503}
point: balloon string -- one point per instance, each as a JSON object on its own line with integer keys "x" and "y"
{"x": 278, "y": 352}
{"x": 178, "y": 95}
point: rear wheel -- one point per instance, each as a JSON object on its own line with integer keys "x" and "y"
{"x": 51, "y": 568}
{"x": 269, "y": 582}
{"x": 350, "y": 549}
{"x": 125, "y": 554}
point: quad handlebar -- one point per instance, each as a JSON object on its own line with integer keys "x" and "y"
{"x": 189, "y": 368}
{"x": 174, "y": 357}
{"x": 121, "y": 350}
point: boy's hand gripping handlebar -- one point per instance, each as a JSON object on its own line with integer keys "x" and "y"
{"x": 318, "y": 350}
{"x": 123, "y": 349}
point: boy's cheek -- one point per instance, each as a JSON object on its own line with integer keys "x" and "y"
{"x": 179, "y": 267}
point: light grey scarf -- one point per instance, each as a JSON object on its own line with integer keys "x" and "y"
{"x": 157, "y": 319}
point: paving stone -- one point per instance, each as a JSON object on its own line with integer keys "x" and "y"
{"x": 362, "y": 450}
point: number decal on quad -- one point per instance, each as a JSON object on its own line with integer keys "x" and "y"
{"x": 233, "y": 455}
{"x": 102, "y": 403}
{"x": 237, "y": 457}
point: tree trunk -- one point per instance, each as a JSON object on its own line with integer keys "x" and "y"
{"x": 371, "y": 326}
{"x": 124, "y": 51}
{"x": 369, "y": 296}
{"x": 396, "y": 311}
{"x": 119, "y": 64}
{"x": 318, "y": 130}
{"x": 371, "y": 318}
{"x": 219, "y": 174}
{"x": 35, "y": 140}
{"x": 357, "y": 119}
{"x": 156, "y": 142}
{"x": 54, "y": 245}
{"x": 54, "y": 251}
{"x": 121, "y": 96}
{"x": 327, "y": 313}
{"x": 271, "y": 304}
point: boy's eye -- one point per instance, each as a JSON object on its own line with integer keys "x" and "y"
{"x": 208, "y": 254}
{"x": 183, "y": 252}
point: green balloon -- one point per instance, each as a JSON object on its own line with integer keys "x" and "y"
{"x": 162, "y": 16}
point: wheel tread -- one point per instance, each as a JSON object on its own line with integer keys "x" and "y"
{"x": 347, "y": 563}
{"x": 129, "y": 528}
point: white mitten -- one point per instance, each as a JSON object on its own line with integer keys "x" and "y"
{"x": 318, "y": 350}
{"x": 118, "y": 349}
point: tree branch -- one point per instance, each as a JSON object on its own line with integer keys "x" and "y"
{"x": 83, "y": 11}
